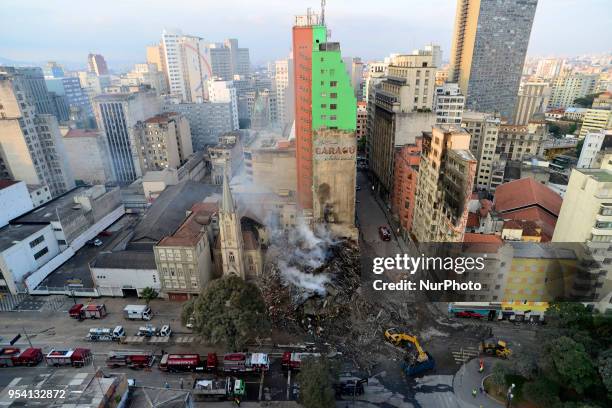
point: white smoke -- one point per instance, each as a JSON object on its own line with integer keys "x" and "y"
{"x": 309, "y": 282}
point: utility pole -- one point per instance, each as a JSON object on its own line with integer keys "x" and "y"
{"x": 27, "y": 337}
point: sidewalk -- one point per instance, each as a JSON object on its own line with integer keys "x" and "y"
{"x": 468, "y": 378}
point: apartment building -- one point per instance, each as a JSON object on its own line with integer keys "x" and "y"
{"x": 448, "y": 104}
{"x": 569, "y": 87}
{"x": 484, "y": 131}
{"x": 444, "y": 186}
{"x": 88, "y": 156}
{"x": 406, "y": 173}
{"x": 516, "y": 141}
{"x": 532, "y": 98}
{"x": 283, "y": 84}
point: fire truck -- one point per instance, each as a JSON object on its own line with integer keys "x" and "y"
{"x": 136, "y": 359}
{"x": 243, "y": 362}
{"x": 224, "y": 388}
{"x": 77, "y": 357}
{"x": 13, "y": 356}
{"x": 293, "y": 361}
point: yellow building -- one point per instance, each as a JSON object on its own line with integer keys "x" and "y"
{"x": 596, "y": 120}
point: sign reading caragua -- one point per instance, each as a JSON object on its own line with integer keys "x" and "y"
{"x": 338, "y": 145}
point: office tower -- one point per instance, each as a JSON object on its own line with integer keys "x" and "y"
{"x": 402, "y": 111}
{"x": 97, "y": 64}
{"x": 240, "y": 60}
{"x": 483, "y": 129}
{"x": 163, "y": 141}
{"x": 53, "y": 70}
{"x": 585, "y": 217}
{"x": 594, "y": 142}
{"x": 325, "y": 114}
{"x": 549, "y": 68}
{"x": 31, "y": 147}
{"x": 532, "y": 98}
{"x": 489, "y": 45}
{"x": 224, "y": 92}
{"x": 567, "y": 88}
{"x": 448, "y": 103}
{"x": 116, "y": 115}
{"x": 357, "y": 77}
{"x": 445, "y": 184}
{"x": 81, "y": 112}
{"x": 283, "y": 86}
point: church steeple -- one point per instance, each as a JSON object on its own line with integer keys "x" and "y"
{"x": 230, "y": 234}
{"x": 227, "y": 203}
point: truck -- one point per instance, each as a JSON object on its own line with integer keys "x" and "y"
{"x": 224, "y": 388}
{"x": 77, "y": 357}
{"x": 243, "y": 362}
{"x": 93, "y": 311}
{"x": 152, "y": 331}
{"x": 136, "y": 359}
{"x": 75, "y": 311}
{"x": 180, "y": 362}
{"x": 13, "y": 356}
{"x": 106, "y": 334}
{"x": 293, "y": 361}
{"x": 137, "y": 312}
{"x": 495, "y": 347}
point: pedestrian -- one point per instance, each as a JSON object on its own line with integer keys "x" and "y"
{"x": 166, "y": 385}
{"x": 474, "y": 392}
{"x": 181, "y": 383}
{"x": 481, "y": 390}
{"x": 162, "y": 352}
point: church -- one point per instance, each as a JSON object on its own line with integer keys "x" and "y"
{"x": 237, "y": 250}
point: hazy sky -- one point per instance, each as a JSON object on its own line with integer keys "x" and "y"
{"x": 67, "y": 30}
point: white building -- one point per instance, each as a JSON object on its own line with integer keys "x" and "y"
{"x": 224, "y": 92}
{"x": 283, "y": 84}
{"x": 484, "y": 131}
{"x": 39, "y": 194}
{"x": 448, "y": 104}
{"x": 124, "y": 273}
{"x": 532, "y": 98}
{"x": 593, "y": 144}
{"x": 15, "y": 200}
{"x": 146, "y": 74}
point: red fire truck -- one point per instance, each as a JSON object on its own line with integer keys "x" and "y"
{"x": 77, "y": 357}
{"x": 136, "y": 359}
{"x": 188, "y": 362}
{"x": 293, "y": 361}
{"x": 242, "y": 362}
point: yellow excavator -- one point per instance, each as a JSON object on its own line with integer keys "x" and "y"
{"x": 424, "y": 361}
{"x": 495, "y": 347}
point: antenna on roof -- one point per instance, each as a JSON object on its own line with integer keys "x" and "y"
{"x": 322, "y": 12}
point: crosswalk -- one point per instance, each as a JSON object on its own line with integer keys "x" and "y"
{"x": 184, "y": 339}
{"x": 464, "y": 354}
{"x": 8, "y": 301}
{"x": 158, "y": 340}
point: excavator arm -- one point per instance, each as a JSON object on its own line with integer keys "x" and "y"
{"x": 397, "y": 338}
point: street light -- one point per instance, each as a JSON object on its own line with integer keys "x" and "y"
{"x": 509, "y": 395}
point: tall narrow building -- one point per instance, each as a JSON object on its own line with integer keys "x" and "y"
{"x": 97, "y": 64}
{"x": 230, "y": 234}
{"x": 325, "y": 104}
{"x": 489, "y": 45}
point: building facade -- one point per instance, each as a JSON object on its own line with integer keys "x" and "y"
{"x": 283, "y": 86}
{"x": 448, "y": 104}
{"x": 224, "y": 92}
{"x": 484, "y": 131}
{"x": 445, "y": 184}
{"x": 594, "y": 143}
{"x": 569, "y": 87}
{"x": 406, "y": 174}
{"x": 97, "y": 64}
{"x": 518, "y": 141}
{"x": 532, "y": 98}
{"x": 488, "y": 52}
{"x": 88, "y": 156}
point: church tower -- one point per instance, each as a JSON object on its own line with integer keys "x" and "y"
{"x": 230, "y": 234}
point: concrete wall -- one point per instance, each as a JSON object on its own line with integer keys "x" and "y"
{"x": 110, "y": 281}
{"x": 89, "y": 159}
{"x": 14, "y": 201}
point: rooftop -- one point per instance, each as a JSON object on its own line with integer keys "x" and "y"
{"x": 541, "y": 251}
{"x": 191, "y": 231}
{"x": 125, "y": 260}
{"x": 602, "y": 176}
{"x": 12, "y": 234}
{"x": 162, "y": 117}
{"x": 75, "y": 133}
{"x": 49, "y": 211}
{"x": 526, "y": 192}
{"x": 481, "y": 238}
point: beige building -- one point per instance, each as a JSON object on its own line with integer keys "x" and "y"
{"x": 183, "y": 259}
{"x": 283, "y": 84}
{"x": 88, "y": 156}
{"x": 227, "y": 153}
{"x": 411, "y": 81}
{"x": 586, "y": 216}
{"x": 270, "y": 164}
{"x": 569, "y": 87}
{"x": 31, "y": 146}
{"x": 444, "y": 186}
{"x": 532, "y": 98}
{"x": 484, "y": 130}
{"x": 596, "y": 120}
{"x": 516, "y": 141}
{"x": 163, "y": 141}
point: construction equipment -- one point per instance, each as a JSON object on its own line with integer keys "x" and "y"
{"x": 495, "y": 347}
{"x": 411, "y": 366}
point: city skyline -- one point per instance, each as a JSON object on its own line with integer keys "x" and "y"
{"x": 263, "y": 28}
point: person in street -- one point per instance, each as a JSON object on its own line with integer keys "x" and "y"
{"x": 181, "y": 384}
{"x": 481, "y": 366}
{"x": 474, "y": 392}
{"x": 166, "y": 385}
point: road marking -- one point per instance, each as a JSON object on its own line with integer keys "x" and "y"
{"x": 463, "y": 355}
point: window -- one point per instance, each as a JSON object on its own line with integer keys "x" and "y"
{"x": 41, "y": 253}
{"x": 333, "y": 83}
{"x": 332, "y": 117}
{"x": 333, "y": 106}
{"x": 333, "y": 95}
{"x": 37, "y": 241}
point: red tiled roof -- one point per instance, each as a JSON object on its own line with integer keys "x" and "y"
{"x": 4, "y": 183}
{"x": 473, "y": 220}
{"x": 537, "y": 215}
{"x": 161, "y": 118}
{"x": 82, "y": 133}
{"x": 526, "y": 192}
{"x": 190, "y": 231}
{"x": 482, "y": 238}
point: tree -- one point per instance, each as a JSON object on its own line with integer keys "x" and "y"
{"x": 604, "y": 366}
{"x": 554, "y": 129}
{"x": 542, "y": 391}
{"x": 148, "y": 294}
{"x": 230, "y": 311}
{"x": 586, "y": 101}
{"x": 570, "y": 315}
{"x": 525, "y": 364}
{"x": 572, "y": 364}
{"x": 499, "y": 373}
{"x": 317, "y": 377}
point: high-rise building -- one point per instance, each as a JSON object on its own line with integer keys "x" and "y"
{"x": 362, "y": 119}
{"x": 357, "y": 77}
{"x": 224, "y": 92}
{"x": 406, "y": 174}
{"x": 567, "y": 88}
{"x": 585, "y": 217}
{"x": 81, "y": 112}
{"x": 549, "y": 68}
{"x": 325, "y": 114}
{"x": 97, "y": 64}
{"x": 163, "y": 141}
{"x": 594, "y": 142}
{"x": 240, "y": 60}
{"x": 117, "y": 115}
{"x": 31, "y": 146}
{"x": 532, "y": 98}
{"x": 53, "y": 70}
{"x": 445, "y": 184}
{"x": 483, "y": 129}
{"x": 146, "y": 74}
{"x": 599, "y": 117}
{"x": 489, "y": 45}
{"x": 517, "y": 141}
{"x": 283, "y": 86}
{"x": 448, "y": 104}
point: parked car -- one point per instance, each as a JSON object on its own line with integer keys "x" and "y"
{"x": 385, "y": 233}
{"x": 94, "y": 242}
{"x": 468, "y": 314}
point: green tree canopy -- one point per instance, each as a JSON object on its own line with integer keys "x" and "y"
{"x": 586, "y": 101}
{"x": 572, "y": 364}
{"x": 499, "y": 373}
{"x": 317, "y": 377}
{"x": 148, "y": 294}
{"x": 604, "y": 365}
{"x": 229, "y": 311}
{"x": 542, "y": 391}
{"x": 569, "y": 315}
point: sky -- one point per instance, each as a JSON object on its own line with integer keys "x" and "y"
{"x": 67, "y": 30}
